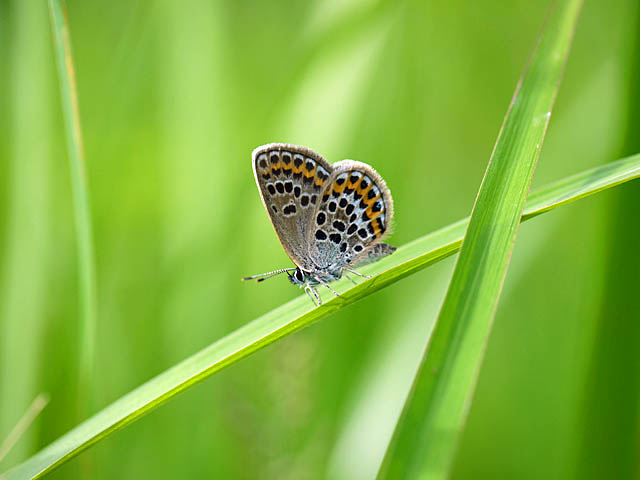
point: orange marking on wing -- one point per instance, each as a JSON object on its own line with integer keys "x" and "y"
{"x": 371, "y": 214}
{"x": 372, "y": 201}
{"x": 376, "y": 228}
{"x": 299, "y": 168}
{"x": 365, "y": 191}
{"x": 339, "y": 188}
{"x": 319, "y": 182}
{"x": 353, "y": 186}
{"x": 311, "y": 173}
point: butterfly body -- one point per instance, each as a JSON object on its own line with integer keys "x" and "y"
{"x": 329, "y": 218}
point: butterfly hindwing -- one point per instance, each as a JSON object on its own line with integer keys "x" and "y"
{"x": 372, "y": 254}
{"x": 353, "y": 215}
{"x": 291, "y": 180}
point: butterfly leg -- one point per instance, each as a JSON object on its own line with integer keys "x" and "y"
{"x": 350, "y": 279}
{"x": 313, "y": 295}
{"x": 328, "y": 286}
{"x": 357, "y": 273}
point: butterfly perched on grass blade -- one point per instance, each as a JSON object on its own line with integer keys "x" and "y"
{"x": 329, "y": 218}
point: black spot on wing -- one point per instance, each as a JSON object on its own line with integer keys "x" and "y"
{"x": 289, "y": 210}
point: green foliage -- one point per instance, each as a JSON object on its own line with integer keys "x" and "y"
{"x": 173, "y": 97}
{"x": 298, "y": 314}
{"x": 80, "y": 195}
{"x": 429, "y": 430}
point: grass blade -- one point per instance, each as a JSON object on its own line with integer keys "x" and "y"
{"x": 427, "y": 435}
{"x": 297, "y": 314}
{"x": 80, "y": 193}
{"x": 23, "y": 424}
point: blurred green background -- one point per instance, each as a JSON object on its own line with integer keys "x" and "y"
{"x": 173, "y": 98}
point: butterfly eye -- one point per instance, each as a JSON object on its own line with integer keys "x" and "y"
{"x": 299, "y": 276}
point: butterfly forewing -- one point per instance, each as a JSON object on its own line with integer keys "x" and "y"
{"x": 291, "y": 180}
{"x": 353, "y": 215}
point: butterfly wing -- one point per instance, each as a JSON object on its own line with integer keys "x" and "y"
{"x": 291, "y": 180}
{"x": 352, "y": 217}
{"x": 372, "y": 254}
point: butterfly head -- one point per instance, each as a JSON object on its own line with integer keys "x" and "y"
{"x": 298, "y": 277}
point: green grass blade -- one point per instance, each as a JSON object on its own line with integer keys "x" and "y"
{"x": 297, "y": 314}
{"x": 427, "y": 435}
{"x": 23, "y": 424}
{"x": 80, "y": 193}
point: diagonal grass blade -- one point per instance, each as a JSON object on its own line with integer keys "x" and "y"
{"x": 297, "y": 314}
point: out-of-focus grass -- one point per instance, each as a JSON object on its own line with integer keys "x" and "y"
{"x": 23, "y": 424}
{"x": 81, "y": 205}
{"x": 173, "y": 98}
{"x": 611, "y": 400}
{"x": 26, "y": 223}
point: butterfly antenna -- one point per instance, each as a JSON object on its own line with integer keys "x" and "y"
{"x": 263, "y": 276}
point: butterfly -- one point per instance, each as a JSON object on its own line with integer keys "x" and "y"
{"x": 330, "y": 219}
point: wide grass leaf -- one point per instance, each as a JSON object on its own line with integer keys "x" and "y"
{"x": 428, "y": 432}
{"x": 299, "y": 313}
